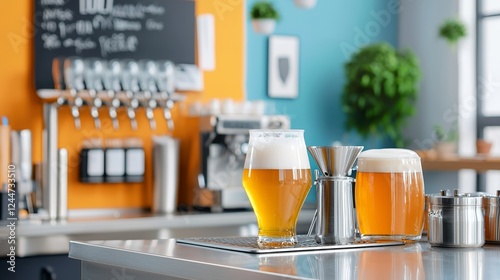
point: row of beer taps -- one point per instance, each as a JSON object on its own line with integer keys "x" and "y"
{"x": 118, "y": 83}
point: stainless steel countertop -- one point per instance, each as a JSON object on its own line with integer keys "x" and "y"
{"x": 168, "y": 258}
{"x": 52, "y": 237}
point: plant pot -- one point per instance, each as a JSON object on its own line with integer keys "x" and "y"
{"x": 445, "y": 149}
{"x": 483, "y": 147}
{"x": 264, "y": 26}
{"x": 305, "y": 4}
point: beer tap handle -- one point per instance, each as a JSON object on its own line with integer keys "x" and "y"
{"x": 167, "y": 113}
{"x": 58, "y": 78}
{"x": 165, "y": 83}
{"x": 57, "y": 74}
{"x": 129, "y": 81}
{"x": 150, "y": 106}
{"x": 149, "y": 103}
{"x": 147, "y": 74}
{"x": 133, "y": 104}
{"x": 94, "y": 112}
{"x": 113, "y": 114}
{"x": 111, "y": 82}
{"x": 92, "y": 75}
{"x": 73, "y": 78}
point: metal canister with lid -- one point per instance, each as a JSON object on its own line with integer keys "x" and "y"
{"x": 456, "y": 220}
{"x": 491, "y": 206}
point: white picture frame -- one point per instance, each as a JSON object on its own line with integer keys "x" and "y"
{"x": 283, "y": 67}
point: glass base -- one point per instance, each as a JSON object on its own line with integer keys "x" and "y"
{"x": 399, "y": 238}
{"x": 266, "y": 242}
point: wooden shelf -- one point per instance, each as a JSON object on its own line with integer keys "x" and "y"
{"x": 457, "y": 163}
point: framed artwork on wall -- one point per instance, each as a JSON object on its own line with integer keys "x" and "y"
{"x": 283, "y": 68}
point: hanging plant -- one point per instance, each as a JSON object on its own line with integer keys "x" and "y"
{"x": 452, "y": 31}
{"x": 264, "y": 17}
{"x": 264, "y": 10}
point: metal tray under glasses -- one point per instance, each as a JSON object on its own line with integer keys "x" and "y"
{"x": 249, "y": 244}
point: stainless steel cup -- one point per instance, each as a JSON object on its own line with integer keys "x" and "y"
{"x": 336, "y": 218}
{"x": 165, "y": 169}
{"x": 456, "y": 220}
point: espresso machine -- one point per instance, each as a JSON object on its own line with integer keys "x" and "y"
{"x": 224, "y": 141}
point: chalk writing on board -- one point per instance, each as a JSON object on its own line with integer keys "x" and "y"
{"x": 95, "y": 6}
{"x": 112, "y": 29}
{"x": 117, "y": 43}
{"x": 113, "y": 24}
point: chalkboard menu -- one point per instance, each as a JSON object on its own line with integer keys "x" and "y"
{"x": 109, "y": 29}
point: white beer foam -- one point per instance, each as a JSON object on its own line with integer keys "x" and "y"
{"x": 389, "y": 160}
{"x": 277, "y": 155}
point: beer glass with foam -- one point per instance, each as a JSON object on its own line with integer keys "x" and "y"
{"x": 390, "y": 195}
{"x": 277, "y": 178}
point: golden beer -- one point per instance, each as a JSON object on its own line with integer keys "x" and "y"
{"x": 277, "y": 178}
{"x": 390, "y": 195}
{"x": 277, "y": 197}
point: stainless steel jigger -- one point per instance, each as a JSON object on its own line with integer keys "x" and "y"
{"x": 335, "y": 214}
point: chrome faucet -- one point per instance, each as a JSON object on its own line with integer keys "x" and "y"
{"x": 166, "y": 87}
{"x": 93, "y": 72}
{"x": 73, "y": 79}
{"x": 147, "y": 70}
{"x": 111, "y": 81}
{"x": 130, "y": 84}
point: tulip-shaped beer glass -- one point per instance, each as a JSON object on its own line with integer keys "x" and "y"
{"x": 277, "y": 178}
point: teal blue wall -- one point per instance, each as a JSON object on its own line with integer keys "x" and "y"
{"x": 322, "y": 32}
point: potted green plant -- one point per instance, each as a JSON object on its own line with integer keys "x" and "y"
{"x": 380, "y": 92}
{"x": 452, "y": 31}
{"x": 264, "y": 17}
{"x": 446, "y": 140}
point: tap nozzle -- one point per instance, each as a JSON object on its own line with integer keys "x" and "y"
{"x": 76, "y": 104}
{"x": 167, "y": 113}
{"x": 149, "y": 104}
{"x": 132, "y": 105}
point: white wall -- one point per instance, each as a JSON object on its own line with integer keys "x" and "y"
{"x": 441, "y": 99}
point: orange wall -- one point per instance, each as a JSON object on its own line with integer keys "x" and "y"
{"x": 18, "y": 101}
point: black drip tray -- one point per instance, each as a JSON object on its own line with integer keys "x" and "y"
{"x": 249, "y": 244}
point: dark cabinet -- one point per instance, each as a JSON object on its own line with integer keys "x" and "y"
{"x": 49, "y": 267}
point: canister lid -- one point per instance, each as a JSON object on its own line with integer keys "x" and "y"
{"x": 446, "y": 198}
